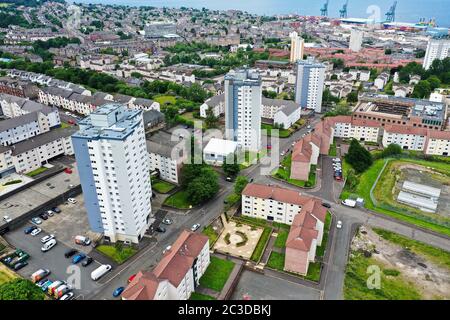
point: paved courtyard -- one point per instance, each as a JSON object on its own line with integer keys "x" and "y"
{"x": 236, "y": 233}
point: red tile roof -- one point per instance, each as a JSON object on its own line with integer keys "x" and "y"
{"x": 275, "y": 193}
{"x": 436, "y": 134}
{"x": 405, "y": 130}
{"x": 143, "y": 287}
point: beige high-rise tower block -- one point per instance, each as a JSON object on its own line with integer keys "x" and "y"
{"x": 297, "y": 47}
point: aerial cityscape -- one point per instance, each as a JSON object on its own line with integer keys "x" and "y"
{"x": 207, "y": 150}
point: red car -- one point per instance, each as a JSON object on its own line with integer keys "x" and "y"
{"x": 71, "y": 122}
{"x": 131, "y": 278}
{"x": 68, "y": 170}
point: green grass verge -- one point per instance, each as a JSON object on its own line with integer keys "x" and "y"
{"x": 34, "y": 173}
{"x": 164, "y": 100}
{"x": 284, "y": 174}
{"x": 65, "y": 125}
{"x": 320, "y": 251}
{"x": 280, "y": 241}
{"x": 260, "y": 246}
{"x": 200, "y": 296}
{"x": 276, "y": 261}
{"x": 368, "y": 178}
{"x": 392, "y": 288}
{"x": 179, "y": 200}
{"x": 283, "y": 133}
{"x": 119, "y": 255}
{"x": 436, "y": 255}
{"x": 6, "y": 275}
{"x": 211, "y": 233}
{"x": 333, "y": 151}
{"x": 161, "y": 186}
{"x": 217, "y": 273}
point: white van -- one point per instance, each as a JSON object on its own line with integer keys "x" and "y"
{"x": 84, "y": 241}
{"x": 48, "y": 245}
{"x": 100, "y": 271}
{"x": 349, "y": 203}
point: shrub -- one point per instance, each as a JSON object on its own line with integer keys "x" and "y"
{"x": 391, "y": 272}
{"x": 227, "y": 238}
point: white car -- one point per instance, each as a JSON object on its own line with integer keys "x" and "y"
{"x": 67, "y": 296}
{"x": 47, "y": 238}
{"x": 195, "y": 227}
{"x": 7, "y": 219}
{"x": 48, "y": 245}
{"x": 72, "y": 200}
{"x": 50, "y": 213}
{"x": 339, "y": 224}
{"x": 36, "y": 231}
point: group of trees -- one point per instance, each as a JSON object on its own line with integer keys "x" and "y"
{"x": 231, "y": 167}
{"x": 20, "y": 289}
{"x": 358, "y": 157}
{"x": 200, "y": 182}
{"x": 41, "y": 47}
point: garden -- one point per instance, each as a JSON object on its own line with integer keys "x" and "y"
{"x": 284, "y": 173}
{"x": 117, "y": 252}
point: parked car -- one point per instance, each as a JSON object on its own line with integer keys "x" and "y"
{"x": 67, "y": 296}
{"x": 72, "y": 200}
{"x": 167, "y": 221}
{"x": 36, "y": 220}
{"x": 43, "y": 216}
{"x": 77, "y": 258}
{"x": 28, "y": 230}
{"x": 20, "y": 265}
{"x": 50, "y": 213}
{"x": 195, "y": 227}
{"x": 160, "y": 229}
{"x": 7, "y": 219}
{"x": 36, "y": 231}
{"x": 100, "y": 271}
{"x": 46, "y": 285}
{"x": 56, "y": 210}
{"x": 131, "y": 278}
{"x": 48, "y": 245}
{"x": 229, "y": 179}
{"x": 326, "y": 205}
{"x": 118, "y": 291}
{"x": 69, "y": 253}
{"x": 41, "y": 283}
{"x": 339, "y": 224}
{"x": 84, "y": 241}
{"x": 87, "y": 261}
{"x": 47, "y": 238}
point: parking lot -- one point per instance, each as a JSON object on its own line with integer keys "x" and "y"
{"x": 72, "y": 221}
{"x": 262, "y": 287}
{"x": 61, "y": 268}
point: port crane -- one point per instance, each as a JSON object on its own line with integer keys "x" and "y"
{"x": 324, "y": 10}
{"x": 390, "y": 15}
{"x": 343, "y": 11}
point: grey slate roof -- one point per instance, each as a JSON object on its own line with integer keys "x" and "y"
{"x": 122, "y": 98}
{"x": 42, "y": 139}
{"x": 18, "y": 121}
{"x": 215, "y": 100}
{"x": 152, "y": 116}
{"x": 288, "y": 106}
{"x": 161, "y": 143}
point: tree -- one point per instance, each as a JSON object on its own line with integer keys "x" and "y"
{"x": 352, "y": 97}
{"x": 203, "y": 186}
{"x": 391, "y": 150}
{"x": 358, "y": 157}
{"x": 422, "y": 90}
{"x": 211, "y": 120}
{"x": 434, "y": 82}
{"x": 20, "y": 289}
{"x": 230, "y": 166}
{"x": 388, "y": 51}
{"x": 240, "y": 184}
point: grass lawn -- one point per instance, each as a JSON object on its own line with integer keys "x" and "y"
{"x": 276, "y": 261}
{"x": 283, "y": 133}
{"x": 326, "y": 230}
{"x": 6, "y": 275}
{"x": 284, "y": 173}
{"x": 259, "y": 249}
{"x": 217, "y": 273}
{"x": 280, "y": 242}
{"x": 34, "y": 173}
{"x": 367, "y": 179}
{"x": 162, "y": 186}
{"x": 118, "y": 256}
{"x": 65, "y": 125}
{"x": 179, "y": 200}
{"x": 200, "y": 296}
{"x": 211, "y": 233}
{"x": 333, "y": 151}
{"x": 164, "y": 100}
{"x": 436, "y": 255}
{"x": 392, "y": 287}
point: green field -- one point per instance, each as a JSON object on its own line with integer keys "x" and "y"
{"x": 333, "y": 151}
{"x": 6, "y": 274}
{"x": 284, "y": 174}
{"x": 392, "y": 287}
{"x": 179, "y": 200}
{"x": 211, "y": 233}
{"x": 365, "y": 181}
{"x": 117, "y": 254}
{"x": 283, "y": 133}
{"x": 162, "y": 186}
{"x": 217, "y": 273}
{"x": 200, "y": 296}
{"x": 165, "y": 100}
{"x": 280, "y": 242}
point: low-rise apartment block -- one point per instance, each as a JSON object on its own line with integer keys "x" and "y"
{"x": 177, "y": 275}
{"x": 304, "y": 214}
